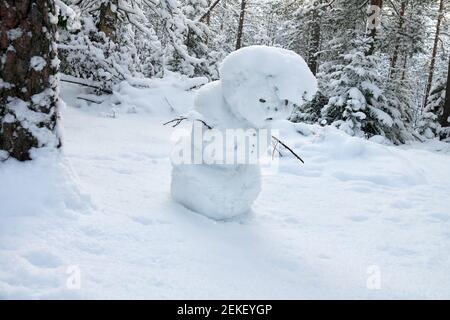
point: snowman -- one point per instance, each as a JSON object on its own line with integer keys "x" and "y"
{"x": 258, "y": 85}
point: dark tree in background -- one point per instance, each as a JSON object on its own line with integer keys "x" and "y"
{"x": 241, "y": 25}
{"x": 314, "y": 44}
{"x": 28, "y": 82}
{"x": 444, "y": 120}
{"x": 434, "y": 52}
{"x": 372, "y": 30}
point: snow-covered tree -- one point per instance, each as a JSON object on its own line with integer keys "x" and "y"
{"x": 357, "y": 103}
{"x": 432, "y": 118}
{"x": 197, "y": 36}
{"x": 121, "y": 39}
{"x": 28, "y": 78}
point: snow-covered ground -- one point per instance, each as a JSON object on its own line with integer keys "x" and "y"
{"x": 358, "y": 220}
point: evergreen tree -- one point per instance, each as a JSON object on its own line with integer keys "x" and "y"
{"x": 357, "y": 103}
{"x": 432, "y": 118}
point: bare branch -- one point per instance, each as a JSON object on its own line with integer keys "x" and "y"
{"x": 209, "y": 11}
{"x": 181, "y": 119}
{"x": 289, "y": 149}
{"x": 87, "y": 85}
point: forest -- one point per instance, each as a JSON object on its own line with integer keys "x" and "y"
{"x": 102, "y": 195}
{"x": 382, "y": 66}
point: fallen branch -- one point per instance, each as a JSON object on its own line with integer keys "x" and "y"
{"x": 72, "y": 80}
{"x": 88, "y": 100}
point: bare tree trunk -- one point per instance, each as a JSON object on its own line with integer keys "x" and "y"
{"x": 241, "y": 25}
{"x": 28, "y": 95}
{"x": 207, "y": 14}
{"x": 372, "y": 30}
{"x": 314, "y": 44}
{"x": 446, "y": 112}
{"x": 401, "y": 21}
{"x": 434, "y": 53}
{"x": 108, "y": 19}
{"x": 405, "y": 63}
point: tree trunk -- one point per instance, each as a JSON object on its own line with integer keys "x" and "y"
{"x": 108, "y": 19}
{"x": 28, "y": 77}
{"x": 314, "y": 44}
{"x": 241, "y": 25}
{"x": 401, "y": 21}
{"x": 446, "y": 114}
{"x": 372, "y": 29}
{"x": 208, "y": 14}
{"x": 405, "y": 63}
{"x": 434, "y": 52}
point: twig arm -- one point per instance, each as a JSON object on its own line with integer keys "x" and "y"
{"x": 289, "y": 149}
{"x": 180, "y": 119}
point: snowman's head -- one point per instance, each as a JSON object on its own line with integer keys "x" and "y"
{"x": 261, "y": 83}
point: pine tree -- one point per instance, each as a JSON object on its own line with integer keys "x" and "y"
{"x": 445, "y": 119}
{"x": 28, "y": 78}
{"x": 118, "y": 40}
{"x": 434, "y": 53}
{"x": 434, "y": 119}
{"x": 197, "y": 36}
{"x": 357, "y": 103}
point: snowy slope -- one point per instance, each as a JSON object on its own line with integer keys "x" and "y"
{"x": 315, "y": 231}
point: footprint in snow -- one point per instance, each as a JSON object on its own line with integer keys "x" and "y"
{"x": 43, "y": 259}
{"x": 147, "y": 221}
{"x": 401, "y": 204}
{"x": 291, "y": 220}
{"x": 398, "y": 251}
{"x": 439, "y": 217}
{"x": 358, "y": 218}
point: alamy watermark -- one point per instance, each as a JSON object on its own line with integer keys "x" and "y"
{"x": 374, "y": 17}
{"x": 235, "y": 146}
{"x": 373, "y": 281}
{"x": 73, "y": 281}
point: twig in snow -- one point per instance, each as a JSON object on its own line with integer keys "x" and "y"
{"x": 177, "y": 120}
{"x": 180, "y": 119}
{"x": 89, "y": 100}
{"x": 168, "y": 102}
{"x": 289, "y": 149}
{"x": 87, "y": 85}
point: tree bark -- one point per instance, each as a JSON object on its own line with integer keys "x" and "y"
{"x": 446, "y": 113}
{"x": 207, "y": 14}
{"x": 401, "y": 22}
{"x": 373, "y": 30}
{"x": 108, "y": 19}
{"x": 241, "y": 25}
{"x": 28, "y": 76}
{"x": 434, "y": 52}
{"x": 314, "y": 44}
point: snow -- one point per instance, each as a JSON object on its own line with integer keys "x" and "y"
{"x": 32, "y": 120}
{"x": 246, "y": 97}
{"x": 216, "y": 191}
{"x": 37, "y": 63}
{"x": 355, "y": 209}
{"x": 14, "y": 34}
{"x": 261, "y": 82}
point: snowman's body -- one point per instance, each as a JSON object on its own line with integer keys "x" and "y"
{"x": 257, "y": 86}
